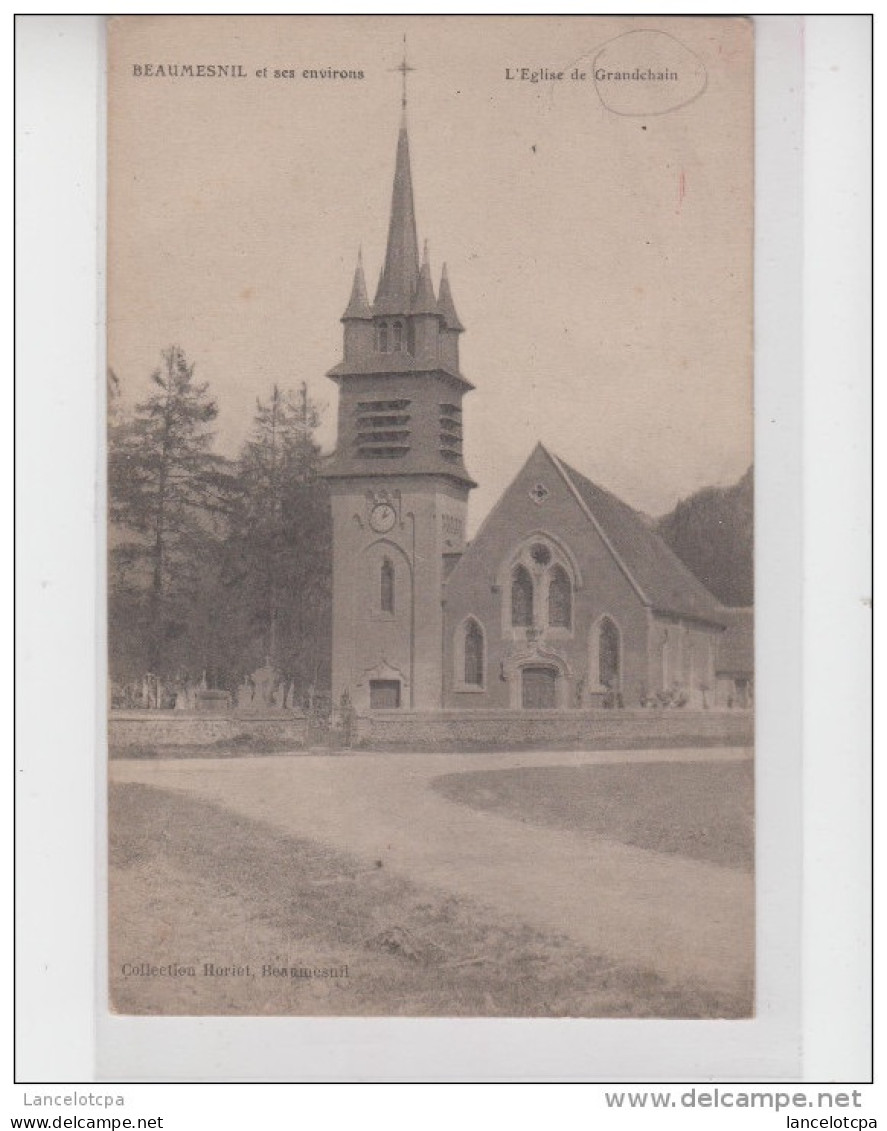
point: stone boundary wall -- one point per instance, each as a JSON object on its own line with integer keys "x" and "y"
{"x": 461, "y": 728}
{"x": 180, "y": 728}
{"x": 631, "y": 727}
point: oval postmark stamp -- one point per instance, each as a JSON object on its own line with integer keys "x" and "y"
{"x": 647, "y": 72}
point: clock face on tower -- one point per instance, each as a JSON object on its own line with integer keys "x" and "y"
{"x": 382, "y": 518}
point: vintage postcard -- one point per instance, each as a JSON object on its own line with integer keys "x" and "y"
{"x": 430, "y": 484}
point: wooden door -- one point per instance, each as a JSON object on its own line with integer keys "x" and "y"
{"x": 539, "y": 689}
{"x": 384, "y": 694}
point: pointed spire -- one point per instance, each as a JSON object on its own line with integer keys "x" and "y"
{"x": 424, "y": 301}
{"x": 359, "y": 303}
{"x": 445, "y": 305}
{"x": 401, "y": 271}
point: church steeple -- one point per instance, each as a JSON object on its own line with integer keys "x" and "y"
{"x": 401, "y": 271}
{"x": 400, "y": 385}
{"x": 398, "y": 482}
{"x": 407, "y": 327}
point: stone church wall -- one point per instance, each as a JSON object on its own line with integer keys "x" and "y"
{"x": 683, "y": 656}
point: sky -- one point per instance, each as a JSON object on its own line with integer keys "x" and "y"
{"x": 599, "y": 248}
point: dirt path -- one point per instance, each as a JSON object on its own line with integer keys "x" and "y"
{"x": 687, "y": 920}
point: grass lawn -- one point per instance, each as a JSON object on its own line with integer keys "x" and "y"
{"x": 192, "y": 883}
{"x": 703, "y": 810}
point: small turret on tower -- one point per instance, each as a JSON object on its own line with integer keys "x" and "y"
{"x": 424, "y": 301}
{"x": 358, "y": 316}
{"x": 446, "y": 307}
{"x": 451, "y": 327}
{"x": 359, "y": 303}
{"x": 425, "y": 320}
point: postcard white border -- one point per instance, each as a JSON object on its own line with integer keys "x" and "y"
{"x": 61, "y": 1035}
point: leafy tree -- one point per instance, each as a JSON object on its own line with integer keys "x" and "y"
{"x": 167, "y": 497}
{"x": 712, "y": 532}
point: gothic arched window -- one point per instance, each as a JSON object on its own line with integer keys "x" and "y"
{"x": 608, "y": 654}
{"x": 474, "y": 654}
{"x": 397, "y": 329}
{"x": 521, "y": 597}
{"x": 383, "y": 337}
{"x": 387, "y": 587}
{"x": 560, "y": 599}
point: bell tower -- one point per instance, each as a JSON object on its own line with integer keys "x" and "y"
{"x": 398, "y": 483}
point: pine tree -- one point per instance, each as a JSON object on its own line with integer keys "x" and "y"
{"x": 166, "y": 492}
{"x": 279, "y": 550}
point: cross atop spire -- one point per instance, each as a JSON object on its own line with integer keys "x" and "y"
{"x": 404, "y": 69}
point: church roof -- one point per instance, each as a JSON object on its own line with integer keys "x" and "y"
{"x": 400, "y": 274}
{"x": 660, "y": 578}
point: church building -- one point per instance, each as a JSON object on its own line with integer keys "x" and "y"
{"x": 566, "y": 599}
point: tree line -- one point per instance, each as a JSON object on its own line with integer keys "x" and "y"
{"x": 712, "y": 532}
{"x": 216, "y": 564}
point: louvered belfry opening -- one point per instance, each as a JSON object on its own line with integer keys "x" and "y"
{"x": 383, "y": 428}
{"x": 451, "y": 432}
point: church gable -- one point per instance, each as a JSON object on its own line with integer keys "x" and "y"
{"x": 539, "y": 589}
{"x": 538, "y": 502}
